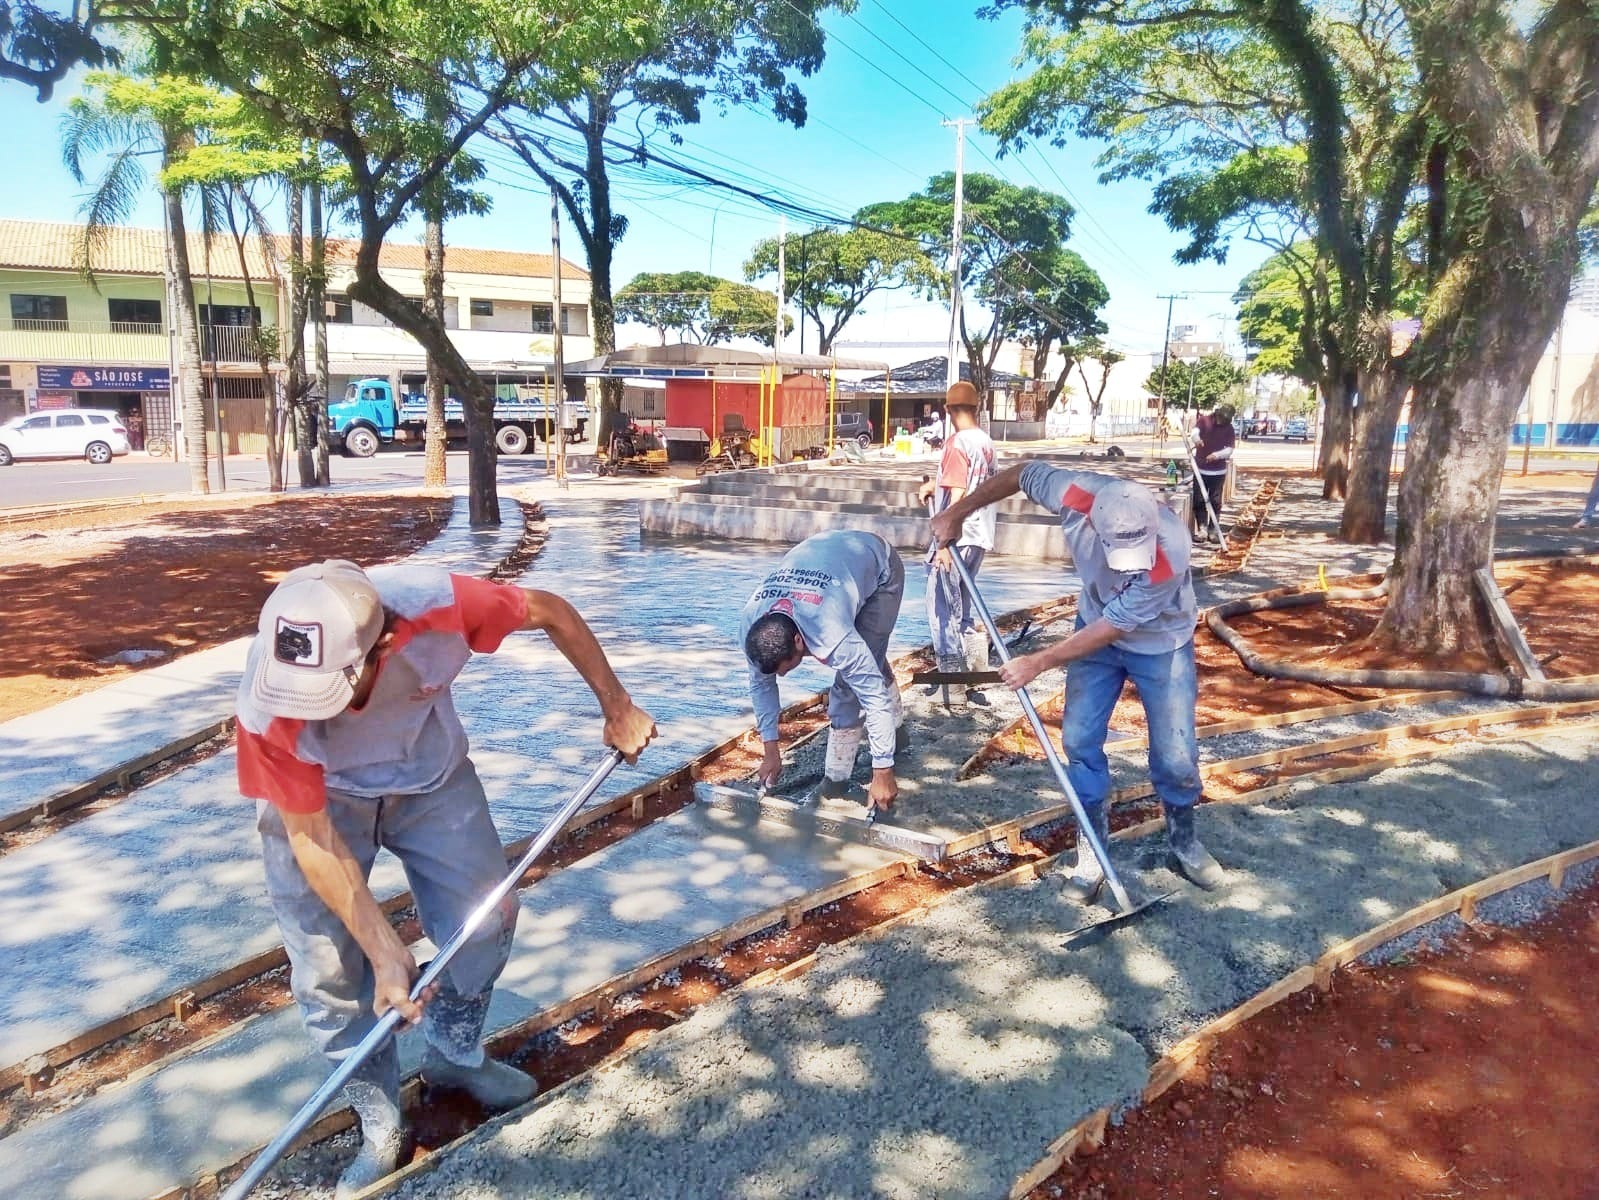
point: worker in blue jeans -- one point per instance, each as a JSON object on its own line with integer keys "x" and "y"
{"x": 1135, "y": 620}
{"x": 1590, "y": 510}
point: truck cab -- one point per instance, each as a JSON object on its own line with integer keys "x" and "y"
{"x": 365, "y": 419}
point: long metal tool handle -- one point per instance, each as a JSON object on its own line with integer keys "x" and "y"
{"x": 1215, "y": 521}
{"x": 279, "y": 1146}
{"x": 1085, "y": 828}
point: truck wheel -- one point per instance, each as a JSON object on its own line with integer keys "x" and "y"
{"x": 511, "y": 439}
{"x": 361, "y": 442}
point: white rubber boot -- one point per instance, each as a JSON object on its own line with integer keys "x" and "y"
{"x": 842, "y": 747}
{"x": 902, "y": 736}
{"x": 495, "y": 1085}
{"x": 382, "y": 1139}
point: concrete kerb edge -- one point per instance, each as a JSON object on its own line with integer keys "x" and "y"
{"x": 1167, "y": 1070}
{"x": 70, "y": 797}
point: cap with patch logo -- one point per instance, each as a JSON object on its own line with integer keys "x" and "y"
{"x": 1126, "y": 517}
{"x": 314, "y": 634}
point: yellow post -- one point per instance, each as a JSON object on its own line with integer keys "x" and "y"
{"x": 832, "y": 406}
{"x": 715, "y": 430}
{"x": 888, "y": 379}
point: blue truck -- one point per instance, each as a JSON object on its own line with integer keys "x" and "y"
{"x": 371, "y": 416}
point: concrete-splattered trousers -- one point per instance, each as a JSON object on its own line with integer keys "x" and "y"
{"x": 452, "y": 857}
{"x": 875, "y": 624}
{"x": 949, "y": 605}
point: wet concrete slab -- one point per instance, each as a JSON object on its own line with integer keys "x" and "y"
{"x": 940, "y": 1060}
{"x": 53, "y": 752}
{"x": 676, "y": 881}
{"x": 165, "y": 888}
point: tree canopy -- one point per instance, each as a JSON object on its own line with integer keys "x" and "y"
{"x": 39, "y": 44}
{"x": 830, "y": 272}
{"x": 1014, "y": 262}
{"x": 1200, "y": 385}
{"x": 698, "y": 307}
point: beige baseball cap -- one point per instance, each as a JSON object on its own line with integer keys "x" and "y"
{"x": 315, "y": 631}
{"x": 1126, "y": 516}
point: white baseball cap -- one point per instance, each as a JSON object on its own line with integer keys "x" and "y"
{"x": 1126, "y": 517}
{"x": 316, "y": 629}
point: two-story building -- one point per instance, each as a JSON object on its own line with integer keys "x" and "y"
{"x": 107, "y": 343}
{"x": 68, "y": 340}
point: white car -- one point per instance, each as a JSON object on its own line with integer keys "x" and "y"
{"x": 93, "y": 433}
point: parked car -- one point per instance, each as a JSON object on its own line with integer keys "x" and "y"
{"x": 1296, "y": 429}
{"x": 92, "y": 433}
{"x": 853, "y": 425}
{"x": 1264, "y": 425}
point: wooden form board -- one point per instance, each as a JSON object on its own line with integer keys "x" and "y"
{"x": 1505, "y": 621}
{"x": 1193, "y": 1049}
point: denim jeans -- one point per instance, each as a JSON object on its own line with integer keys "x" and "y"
{"x": 1168, "y": 686}
{"x": 1590, "y": 510}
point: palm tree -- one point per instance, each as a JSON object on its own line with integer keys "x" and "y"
{"x": 134, "y": 121}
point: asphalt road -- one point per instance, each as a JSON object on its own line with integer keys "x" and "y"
{"x": 59, "y": 482}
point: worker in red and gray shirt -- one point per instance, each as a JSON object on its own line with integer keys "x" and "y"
{"x": 1135, "y": 620}
{"x": 959, "y": 642}
{"x": 349, "y": 742}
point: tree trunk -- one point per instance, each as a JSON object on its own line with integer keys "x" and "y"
{"x": 433, "y": 467}
{"x": 190, "y": 379}
{"x": 477, "y": 404}
{"x": 1337, "y": 434}
{"x": 263, "y": 358}
{"x": 1448, "y": 496}
{"x": 1365, "y": 519}
{"x": 295, "y": 383}
{"x": 602, "y": 301}
{"x": 319, "y": 320}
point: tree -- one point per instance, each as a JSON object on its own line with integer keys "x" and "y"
{"x": 1200, "y": 385}
{"x": 1063, "y": 313}
{"x": 676, "y": 55}
{"x": 1013, "y": 262}
{"x": 132, "y": 119}
{"x": 1455, "y": 138}
{"x": 830, "y": 272}
{"x": 347, "y": 75}
{"x": 699, "y": 308}
{"x": 670, "y": 302}
{"x": 1093, "y": 350}
{"x": 38, "y": 47}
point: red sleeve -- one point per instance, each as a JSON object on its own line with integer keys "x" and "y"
{"x": 269, "y": 769}
{"x": 489, "y": 611}
{"x": 954, "y": 469}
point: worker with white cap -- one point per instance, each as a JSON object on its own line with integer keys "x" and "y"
{"x": 1135, "y": 620}
{"x": 349, "y": 742}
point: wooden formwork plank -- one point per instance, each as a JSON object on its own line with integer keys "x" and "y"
{"x": 1505, "y": 621}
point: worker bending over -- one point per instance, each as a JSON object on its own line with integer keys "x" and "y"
{"x": 349, "y": 741}
{"x": 959, "y": 642}
{"x": 834, "y": 597}
{"x": 1135, "y": 620}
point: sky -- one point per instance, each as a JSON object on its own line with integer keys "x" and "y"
{"x": 875, "y": 133}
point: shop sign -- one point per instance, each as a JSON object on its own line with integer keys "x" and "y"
{"x": 54, "y": 400}
{"x": 106, "y": 379}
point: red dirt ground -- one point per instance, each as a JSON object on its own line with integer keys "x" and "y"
{"x": 178, "y": 578}
{"x": 1465, "y": 1073}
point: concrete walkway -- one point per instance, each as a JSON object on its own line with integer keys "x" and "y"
{"x": 679, "y": 880}
{"x": 60, "y": 750}
{"x": 174, "y": 892}
{"x": 940, "y": 1060}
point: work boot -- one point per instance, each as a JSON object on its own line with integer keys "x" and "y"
{"x": 495, "y": 1085}
{"x": 1186, "y": 854}
{"x": 382, "y": 1138}
{"x": 975, "y": 644}
{"x": 1087, "y": 876}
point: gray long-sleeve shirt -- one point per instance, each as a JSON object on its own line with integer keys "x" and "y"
{"x": 1154, "y": 609}
{"x": 822, "y": 583}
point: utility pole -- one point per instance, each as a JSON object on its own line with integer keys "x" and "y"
{"x": 805, "y": 263}
{"x": 1165, "y": 356}
{"x": 782, "y": 284}
{"x": 952, "y": 372}
{"x": 1554, "y": 385}
{"x": 560, "y": 345}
